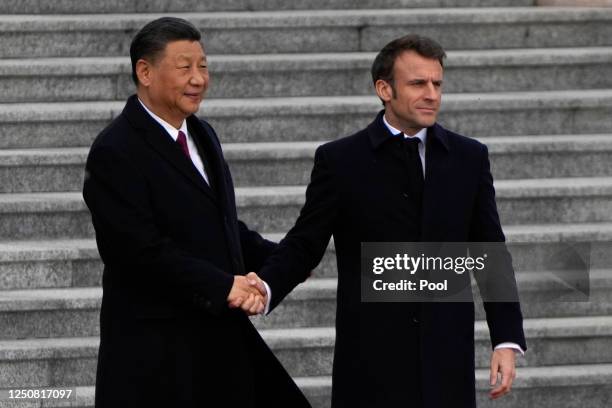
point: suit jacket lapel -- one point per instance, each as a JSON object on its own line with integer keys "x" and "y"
{"x": 161, "y": 142}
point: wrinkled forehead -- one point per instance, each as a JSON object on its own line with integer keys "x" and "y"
{"x": 411, "y": 64}
{"x": 183, "y": 50}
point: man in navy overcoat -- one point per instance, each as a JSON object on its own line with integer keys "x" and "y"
{"x": 404, "y": 178}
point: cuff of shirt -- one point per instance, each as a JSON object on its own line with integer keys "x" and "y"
{"x": 514, "y": 346}
{"x": 269, "y": 297}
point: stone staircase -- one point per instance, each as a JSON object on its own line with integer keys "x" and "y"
{"x": 533, "y": 83}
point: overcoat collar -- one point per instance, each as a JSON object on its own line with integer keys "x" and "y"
{"x": 379, "y": 133}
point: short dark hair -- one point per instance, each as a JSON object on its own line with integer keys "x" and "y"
{"x": 382, "y": 68}
{"x": 152, "y": 39}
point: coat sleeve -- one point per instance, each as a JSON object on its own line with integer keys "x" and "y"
{"x": 304, "y": 245}
{"x": 504, "y": 318}
{"x": 117, "y": 196}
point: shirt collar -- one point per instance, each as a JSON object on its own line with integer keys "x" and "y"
{"x": 421, "y": 134}
{"x": 171, "y": 130}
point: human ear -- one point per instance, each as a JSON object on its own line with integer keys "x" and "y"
{"x": 384, "y": 90}
{"x": 143, "y": 72}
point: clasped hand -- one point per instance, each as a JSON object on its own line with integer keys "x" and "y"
{"x": 248, "y": 293}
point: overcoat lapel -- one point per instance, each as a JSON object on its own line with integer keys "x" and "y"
{"x": 437, "y": 178}
{"x": 212, "y": 157}
{"x": 159, "y": 140}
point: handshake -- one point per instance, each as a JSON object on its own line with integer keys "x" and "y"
{"x": 248, "y": 293}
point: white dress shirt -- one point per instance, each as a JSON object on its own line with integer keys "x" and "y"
{"x": 422, "y": 134}
{"x": 197, "y": 162}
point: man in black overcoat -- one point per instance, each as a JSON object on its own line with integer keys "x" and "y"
{"x": 174, "y": 330}
{"x": 404, "y": 178}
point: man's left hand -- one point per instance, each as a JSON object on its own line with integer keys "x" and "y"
{"x": 502, "y": 363}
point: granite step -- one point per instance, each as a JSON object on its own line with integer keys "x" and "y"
{"x": 32, "y": 170}
{"x": 37, "y": 125}
{"x": 524, "y": 201}
{"x": 571, "y": 199}
{"x": 75, "y": 263}
{"x": 302, "y": 31}
{"x": 304, "y": 351}
{"x": 573, "y": 3}
{"x": 161, "y": 6}
{"x": 49, "y": 264}
{"x": 326, "y": 74}
{"x": 290, "y": 163}
{"x": 586, "y": 385}
{"x": 43, "y": 313}
{"x": 70, "y": 312}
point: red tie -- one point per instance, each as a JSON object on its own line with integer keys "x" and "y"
{"x": 182, "y": 141}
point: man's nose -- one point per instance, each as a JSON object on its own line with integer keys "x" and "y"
{"x": 432, "y": 92}
{"x": 198, "y": 78}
